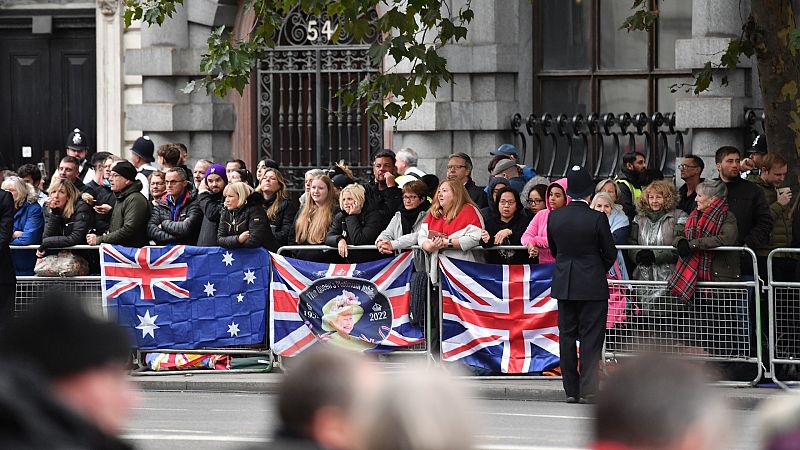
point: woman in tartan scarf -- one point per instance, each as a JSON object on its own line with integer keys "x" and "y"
{"x": 710, "y": 225}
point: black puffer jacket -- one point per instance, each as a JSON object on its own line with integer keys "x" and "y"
{"x": 211, "y": 206}
{"x": 283, "y": 223}
{"x": 748, "y": 204}
{"x": 518, "y": 224}
{"x": 103, "y": 196}
{"x": 250, "y": 217}
{"x": 358, "y": 229}
{"x": 7, "y": 271}
{"x": 62, "y": 232}
{"x": 181, "y": 231}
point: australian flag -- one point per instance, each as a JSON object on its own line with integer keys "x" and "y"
{"x": 499, "y": 317}
{"x": 186, "y": 298}
{"x": 304, "y": 287}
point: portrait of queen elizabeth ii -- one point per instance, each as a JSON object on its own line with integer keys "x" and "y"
{"x": 340, "y": 316}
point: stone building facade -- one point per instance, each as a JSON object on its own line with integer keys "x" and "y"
{"x": 520, "y": 57}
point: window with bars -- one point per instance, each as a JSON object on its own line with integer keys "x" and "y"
{"x": 584, "y": 63}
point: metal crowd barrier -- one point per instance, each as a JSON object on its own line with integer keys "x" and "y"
{"x": 784, "y": 321}
{"x": 715, "y": 327}
{"x": 423, "y": 349}
{"x": 31, "y": 287}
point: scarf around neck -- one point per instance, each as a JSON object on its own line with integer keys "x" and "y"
{"x": 697, "y": 267}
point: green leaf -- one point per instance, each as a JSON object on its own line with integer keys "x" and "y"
{"x": 794, "y": 39}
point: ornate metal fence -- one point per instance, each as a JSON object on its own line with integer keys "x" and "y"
{"x": 303, "y": 124}
{"x": 553, "y": 143}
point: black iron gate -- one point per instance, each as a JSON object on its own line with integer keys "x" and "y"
{"x": 303, "y": 124}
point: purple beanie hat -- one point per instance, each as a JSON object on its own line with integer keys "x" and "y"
{"x": 217, "y": 169}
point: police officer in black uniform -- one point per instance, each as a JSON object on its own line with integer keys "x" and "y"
{"x": 78, "y": 147}
{"x": 580, "y": 239}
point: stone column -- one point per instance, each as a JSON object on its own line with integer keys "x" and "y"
{"x": 169, "y": 58}
{"x": 493, "y": 74}
{"x": 109, "y": 76}
{"x": 716, "y": 116}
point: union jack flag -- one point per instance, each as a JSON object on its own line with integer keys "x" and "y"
{"x": 140, "y": 271}
{"x": 499, "y": 317}
{"x": 290, "y": 333}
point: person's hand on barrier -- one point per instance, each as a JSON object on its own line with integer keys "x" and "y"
{"x": 342, "y": 248}
{"x": 40, "y": 253}
{"x": 684, "y": 249}
{"x": 501, "y": 236}
{"x": 439, "y": 243}
{"x": 243, "y": 237}
{"x": 645, "y": 258}
{"x": 533, "y": 251}
{"x": 16, "y": 234}
{"x": 385, "y": 247}
{"x": 91, "y": 239}
{"x": 485, "y": 236}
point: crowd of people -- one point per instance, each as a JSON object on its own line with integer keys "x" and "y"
{"x": 105, "y": 199}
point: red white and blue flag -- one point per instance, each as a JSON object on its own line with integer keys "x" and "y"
{"x": 303, "y": 294}
{"x": 499, "y": 317}
{"x": 182, "y": 297}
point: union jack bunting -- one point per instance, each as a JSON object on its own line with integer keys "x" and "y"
{"x": 499, "y": 317}
{"x": 306, "y": 298}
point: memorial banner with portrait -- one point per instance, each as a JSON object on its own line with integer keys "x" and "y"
{"x": 361, "y": 307}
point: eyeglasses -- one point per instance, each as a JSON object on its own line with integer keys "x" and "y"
{"x": 507, "y": 202}
{"x": 174, "y": 181}
{"x": 456, "y": 167}
{"x": 535, "y": 202}
{"x": 686, "y": 166}
{"x": 410, "y": 197}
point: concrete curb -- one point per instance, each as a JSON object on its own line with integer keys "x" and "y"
{"x": 518, "y": 390}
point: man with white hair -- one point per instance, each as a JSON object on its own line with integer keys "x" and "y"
{"x": 406, "y": 164}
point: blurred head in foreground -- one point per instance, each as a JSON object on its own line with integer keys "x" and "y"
{"x": 318, "y": 397}
{"x": 417, "y": 409}
{"x": 655, "y": 403}
{"x": 84, "y": 358}
{"x": 779, "y": 422}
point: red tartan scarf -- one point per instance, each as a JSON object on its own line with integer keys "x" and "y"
{"x": 697, "y": 267}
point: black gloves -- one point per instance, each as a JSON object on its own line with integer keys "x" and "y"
{"x": 684, "y": 250}
{"x": 645, "y": 258}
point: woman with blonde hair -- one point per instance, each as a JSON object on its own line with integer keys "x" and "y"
{"x": 279, "y": 207}
{"x": 453, "y": 225}
{"x": 28, "y": 223}
{"x": 315, "y": 218}
{"x": 70, "y": 217}
{"x": 657, "y": 222}
{"x": 357, "y": 223}
{"x": 242, "y": 221}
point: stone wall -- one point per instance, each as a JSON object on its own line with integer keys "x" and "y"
{"x": 168, "y": 58}
{"x": 493, "y": 80}
{"x": 716, "y": 116}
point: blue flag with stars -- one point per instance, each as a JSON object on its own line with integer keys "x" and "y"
{"x": 186, "y": 298}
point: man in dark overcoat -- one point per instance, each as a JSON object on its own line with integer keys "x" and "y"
{"x": 580, "y": 239}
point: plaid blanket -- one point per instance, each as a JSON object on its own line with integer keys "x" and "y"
{"x": 697, "y": 267}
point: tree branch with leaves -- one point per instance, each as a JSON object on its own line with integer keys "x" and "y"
{"x": 412, "y": 32}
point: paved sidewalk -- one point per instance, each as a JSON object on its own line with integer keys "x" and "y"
{"x": 507, "y": 388}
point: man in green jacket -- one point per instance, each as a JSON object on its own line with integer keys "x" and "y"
{"x": 779, "y": 197}
{"x": 131, "y": 213}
